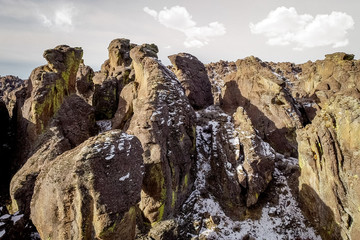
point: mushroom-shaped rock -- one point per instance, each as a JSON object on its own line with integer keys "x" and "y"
{"x": 194, "y": 79}
{"x": 91, "y": 191}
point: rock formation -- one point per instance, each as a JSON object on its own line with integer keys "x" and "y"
{"x": 194, "y": 79}
{"x": 138, "y": 150}
{"x": 163, "y": 120}
{"x": 328, "y": 157}
{"x": 91, "y": 191}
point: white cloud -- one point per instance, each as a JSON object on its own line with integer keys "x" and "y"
{"x": 61, "y": 19}
{"x": 285, "y": 26}
{"x": 179, "y": 18}
{"x": 151, "y": 12}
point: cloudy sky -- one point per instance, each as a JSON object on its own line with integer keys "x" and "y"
{"x": 273, "y": 30}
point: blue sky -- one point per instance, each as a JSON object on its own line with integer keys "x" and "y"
{"x": 273, "y": 30}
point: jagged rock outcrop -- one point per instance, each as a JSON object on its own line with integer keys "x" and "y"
{"x": 125, "y": 107}
{"x": 194, "y": 79}
{"x": 272, "y": 110}
{"x": 91, "y": 191}
{"x": 73, "y": 124}
{"x": 256, "y": 170}
{"x": 9, "y": 85}
{"x": 49, "y": 85}
{"x": 217, "y": 72}
{"x": 115, "y": 73}
{"x": 164, "y": 122}
{"x": 84, "y": 82}
{"x": 330, "y": 168}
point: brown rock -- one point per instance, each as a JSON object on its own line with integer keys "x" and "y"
{"x": 330, "y": 168}
{"x": 9, "y": 85}
{"x": 125, "y": 107}
{"x": 84, "y": 82}
{"x": 106, "y": 98}
{"x": 73, "y": 124}
{"x": 163, "y": 120}
{"x": 194, "y": 79}
{"x": 49, "y": 85}
{"x": 91, "y": 191}
{"x": 255, "y": 172}
{"x": 272, "y": 110}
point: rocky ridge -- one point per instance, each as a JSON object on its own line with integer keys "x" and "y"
{"x": 139, "y": 150}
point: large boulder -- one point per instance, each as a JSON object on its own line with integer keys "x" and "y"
{"x": 5, "y": 148}
{"x": 91, "y": 191}
{"x": 73, "y": 124}
{"x": 330, "y": 168}
{"x": 271, "y": 108}
{"x": 194, "y": 79}
{"x": 49, "y": 85}
{"x": 164, "y": 122}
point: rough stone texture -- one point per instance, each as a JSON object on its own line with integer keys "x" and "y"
{"x": 49, "y": 85}
{"x": 194, "y": 79}
{"x": 217, "y": 72}
{"x": 329, "y": 153}
{"x": 73, "y": 124}
{"x": 324, "y": 78}
{"x": 258, "y": 163}
{"x": 84, "y": 82}
{"x": 91, "y": 191}
{"x": 9, "y": 85}
{"x": 106, "y": 98}
{"x": 163, "y": 120}
{"x": 125, "y": 107}
{"x": 272, "y": 110}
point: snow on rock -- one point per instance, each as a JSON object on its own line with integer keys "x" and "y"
{"x": 2, "y": 233}
{"x": 123, "y": 178}
{"x": 104, "y": 125}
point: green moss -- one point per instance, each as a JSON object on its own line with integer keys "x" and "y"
{"x": 257, "y": 195}
{"x": 182, "y": 137}
{"x": 173, "y": 199}
{"x": 186, "y": 179}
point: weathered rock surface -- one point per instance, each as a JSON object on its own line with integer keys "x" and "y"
{"x": 256, "y": 170}
{"x": 164, "y": 122}
{"x": 272, "y": 110}
{"x": 49, "y": 86}
{"x": 5, "y": 148}
{"x": 194, "y": 79}
{"x": 84, "y": 82}
{"x": 73, "y": 124}
{"x": 330, "y": 168}
{"x": 115, "y": 73}
{"x": 91, "y": 191}
{"x": 9, "y": 85}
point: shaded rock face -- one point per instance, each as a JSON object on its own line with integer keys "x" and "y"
{"x": 194, "y": 79}
{"x": 217, "y": 72}
{"x": 73, "y": 124}
{"x": 237, "y": 164}
{"x": 328, "y": 157}
{"x": 164, "y": 122}
{"x": 91, "y": 191}
{"x": 5, "y": 148}
{"x": 9, "y": 85}
{"x": 49, "y": 85}
{"x": 115, "y": 73}
{"x": 84, "y": 82}
{"x": 272, "y": 110}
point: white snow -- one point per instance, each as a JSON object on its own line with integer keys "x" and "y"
{"x": 104, "y": 125}
{"x": 111, "y": 155}
{"x": 16, "y": 217}
{"x": 5, "y": 216}
{"x": 2, "y": 233}
{"x": 123, "y": 178}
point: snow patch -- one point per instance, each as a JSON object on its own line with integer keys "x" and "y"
{"x": 123, "y": 178}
